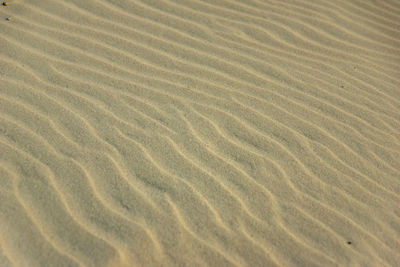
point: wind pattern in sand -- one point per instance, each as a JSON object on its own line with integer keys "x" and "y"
{"x": 200, "y": 133}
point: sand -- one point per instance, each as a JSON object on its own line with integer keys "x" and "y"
{"x": 200, "y": 133}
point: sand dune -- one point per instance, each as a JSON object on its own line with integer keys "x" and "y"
{"x": 200, "y": 133}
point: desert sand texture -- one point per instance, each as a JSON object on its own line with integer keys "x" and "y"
{"x": 200, "y": 133}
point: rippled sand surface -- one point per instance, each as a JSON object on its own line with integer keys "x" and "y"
{"x": 200, "y": 133}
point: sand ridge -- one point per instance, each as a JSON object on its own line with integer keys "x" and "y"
{"x": 200, "y": 133}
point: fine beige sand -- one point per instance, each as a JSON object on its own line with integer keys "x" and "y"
{"x": 200, "y": 133}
